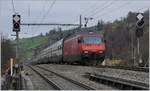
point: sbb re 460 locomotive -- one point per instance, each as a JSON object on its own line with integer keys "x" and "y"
{"x": 78, "y": 49}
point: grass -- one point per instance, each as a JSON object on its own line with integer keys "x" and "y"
{"x": 113, "y": 62}
{"x": 27, "y": 45}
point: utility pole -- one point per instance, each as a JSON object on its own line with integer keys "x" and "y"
{"x": 17, "y": 47}
{"x": 17, "y": 44}
{"x": 131, "y": 45}
{"x": 138, "y": 49}
{"x": 80, "y": 22}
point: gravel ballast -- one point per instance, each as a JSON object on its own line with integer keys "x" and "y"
{"x": 77, "y": 76}
{"x": 78, "y": 71}
{"x": 37, "y": 82}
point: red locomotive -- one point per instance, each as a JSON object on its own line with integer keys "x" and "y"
{"x": 84, "y": 49}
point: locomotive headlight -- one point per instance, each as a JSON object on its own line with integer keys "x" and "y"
{"x": 100, "y": 51}
{"x": 85, "y": 51}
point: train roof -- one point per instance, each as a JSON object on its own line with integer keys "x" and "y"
{"x": 50, "y": 46}
{"x": 85, "y": 34}
{"x": 59, "y": 42}
{"x": 89, "y": 34}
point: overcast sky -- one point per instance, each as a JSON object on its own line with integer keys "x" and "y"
{"x": 63, "y": 11}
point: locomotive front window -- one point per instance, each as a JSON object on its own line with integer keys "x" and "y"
{"x": 92, "y": 40}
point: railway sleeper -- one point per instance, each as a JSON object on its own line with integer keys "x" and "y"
{"x": 71, "y": 80}
{"x": 46, "y": 79}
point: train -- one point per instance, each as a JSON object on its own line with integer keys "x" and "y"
{"x": 86, "y": 49}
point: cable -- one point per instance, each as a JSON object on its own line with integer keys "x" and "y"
{"x": 116, "y": 9}
{"x": 92, "y": 8}
{"x": 44, "y": 16}
{"x": 105, "y": 13}
{"x": 48, "y": 10}
{"x": 103, "y": 8}
{"x": 102, "y": 5}
{"x": 99, "y": 7}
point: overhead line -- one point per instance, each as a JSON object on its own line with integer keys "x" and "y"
{"x": 44, "y": 16}
{"x": 116, "y": 9}
{"x": 103, "y": 8}
{"x": 94, "y": 8}
{"x": 48, "y": 10}
{"x": 91, "y": 8}
{"x": 98, "y": 7}
{"x": 37, "y": 24}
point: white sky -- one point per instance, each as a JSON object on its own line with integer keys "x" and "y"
{"x": 64, "y": 11}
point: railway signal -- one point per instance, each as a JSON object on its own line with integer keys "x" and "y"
{"x": 16, "y": 28}
{"x": 139, "y": 24}
{"x": 16, "y": 23}
{"x": 139, "y": 33}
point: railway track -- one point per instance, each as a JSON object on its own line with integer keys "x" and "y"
{"x": 117, "y": 82}
{"x": 81, "y": 85}
{"x": 66, "y": 83}
{"x": 45, "y": 78}
{"x": 141, "y": 69}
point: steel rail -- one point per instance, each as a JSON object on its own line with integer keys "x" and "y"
{"x": 46, "y": 79}
{"x": 71, "y": 80}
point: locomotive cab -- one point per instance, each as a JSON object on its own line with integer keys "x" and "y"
{"x": 84, "y": 48}
{"x": 92, "y": 47}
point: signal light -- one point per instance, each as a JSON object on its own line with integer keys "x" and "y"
{"x": 100, "y": 51}
{"x": 140, "y": 23}
{"x": 85, "y": 51}
{"x": 16, "y": 25}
